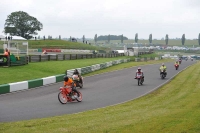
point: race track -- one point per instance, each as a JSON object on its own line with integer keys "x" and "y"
{"x": 99, "y": 91}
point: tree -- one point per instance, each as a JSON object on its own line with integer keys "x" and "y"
{"x": 183, "y": 39}
{"x": 136, "y": 38}
{"x": 166, "y": 39}
{"x": 22, "y": 24}
{"x": 109, "y": 38}
{"x": 150, "y": 38}
{"x": 122, "y": 40}
{"x": 83, "y": 38}
{"x": 95, "y": 38}
{"x": 199, "y": 39}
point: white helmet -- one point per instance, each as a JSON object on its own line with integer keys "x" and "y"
{"x": 75, "y": 77}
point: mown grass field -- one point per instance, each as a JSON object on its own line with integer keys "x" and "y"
{"x": 174, "y": 108}
{"x": 61, "y": 44}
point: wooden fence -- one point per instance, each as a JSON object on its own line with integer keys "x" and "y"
{"x": 56, "y": 57}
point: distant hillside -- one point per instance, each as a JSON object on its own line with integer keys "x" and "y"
{"x": 112, "y": 37}
{"x": 58, "y": 44}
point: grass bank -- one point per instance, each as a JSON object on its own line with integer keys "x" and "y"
{"x": 59, "y": 44}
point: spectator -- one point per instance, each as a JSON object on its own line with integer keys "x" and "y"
{"x": 7, "y": 53}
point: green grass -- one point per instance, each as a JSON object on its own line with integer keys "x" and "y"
{"x": 174, "y": 108}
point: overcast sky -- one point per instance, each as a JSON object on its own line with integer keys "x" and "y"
{"x": 102, "y": 17}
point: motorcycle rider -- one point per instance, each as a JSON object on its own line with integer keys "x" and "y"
{"x": 180, "y": 60}
{"x": 164, "y": 68}
{"x": 77, "y": 73}
{"x": 69, "y": 82}
{"x": 139, "y": 72}
{"x": 176, "y": 63}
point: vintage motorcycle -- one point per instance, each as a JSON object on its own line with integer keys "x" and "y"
{"x": 78, "y": 80}
{"x": 176, "y": 66}
{"x": 163, "y": 74}
{"x": 140, "y": 79}
{"x": 67, "y": 95}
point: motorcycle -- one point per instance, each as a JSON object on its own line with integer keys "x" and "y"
{"x": 162, "y": 74}
{"x": 176, "y": 66}
{"x": 140, "y": 79}
{"x": 67, "y": 95}
{"x": 180, "y": 61}
{"x": 78, "y": 81}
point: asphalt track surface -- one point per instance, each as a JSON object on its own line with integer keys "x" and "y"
{"x": 99, "y": 91}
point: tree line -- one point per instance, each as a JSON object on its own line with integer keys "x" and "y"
{"x": 22, "y": 24}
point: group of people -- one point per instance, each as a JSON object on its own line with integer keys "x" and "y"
{"x": 69, "y": 82}
{"x": 162, "y": 67}
{"x": 140, "y": 72}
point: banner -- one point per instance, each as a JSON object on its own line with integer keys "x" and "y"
{"x": 51, "y": 50}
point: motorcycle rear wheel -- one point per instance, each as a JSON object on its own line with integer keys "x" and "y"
{"x": 162, "y": 76}
{"x": 62, "y": 99}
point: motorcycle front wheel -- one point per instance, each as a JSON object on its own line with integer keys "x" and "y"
{"x": 139, "y": 81}
{"x": 80, "y": 98}
{"x": 62, "y": 99}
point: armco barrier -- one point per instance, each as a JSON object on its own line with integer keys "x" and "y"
{"x": 11, "y": 87}
{"x": 146, "y": 59}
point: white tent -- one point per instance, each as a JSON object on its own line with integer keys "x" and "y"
{"x": 18, "y": 38}
{"x": 1, "y": 36}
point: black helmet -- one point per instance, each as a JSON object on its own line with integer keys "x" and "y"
{"x": 65, "y": 78}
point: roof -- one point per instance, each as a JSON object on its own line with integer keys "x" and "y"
{"x": 1, "y": 36}
{"x": 18, "y": 38}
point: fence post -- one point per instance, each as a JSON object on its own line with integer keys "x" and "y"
{"x": 49, "y": 58}
{"x": 40, "y": 58}
{"x": 56, "y": 57}
{"x": 76, "y": 56}
{"x": 63, "y": 56}
{"x": 29, "y": 58}
{"x": 70, "y": 57}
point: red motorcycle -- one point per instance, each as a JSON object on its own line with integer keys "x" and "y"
{"x": 176, "y": 66}
{"x": 67, "y": 95}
